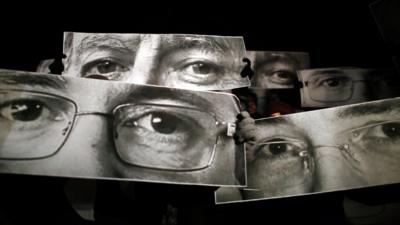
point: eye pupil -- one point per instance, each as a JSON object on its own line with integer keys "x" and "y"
{"x": 106, "y": 67}
{"x": 276, "y": 149}
{"x": 332, "y": 82}
{"x": 392, "y": 130}
{"x": 162, "y": 123}
{"x": 26, "y": 111}
{"x": 201, "y": 68}
{"x": 284, "y": 75}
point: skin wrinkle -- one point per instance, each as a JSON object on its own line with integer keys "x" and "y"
{"x": 276, "y": 70}
{"x": 92, "y": 132}
{"x": 56, "y": 82}
{"x": 334, "y": 87}
{"x": 228, "y": 50}
{"x": 128, "y": 42}
{"x": 325, "y": 129}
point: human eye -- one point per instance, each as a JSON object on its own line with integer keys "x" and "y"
{"x": 198, "y": 71}
{"x": 333, "y": 82}
{"x": 281, "y": 166}
{"x": 164, "y": 136}
{"x": 161, "y": 127}
{"x": 110, "y": 68}
{"x": 377, "y": 137}
{"x": 280, "y": 148}
{"x": 283, "y": 77}
{"x": 26, "y": 119}
{"x": 28, "y": 114}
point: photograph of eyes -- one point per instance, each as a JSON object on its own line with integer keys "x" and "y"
{"x": 194, "y": 62}
{"x": 86, "y": 128}
{"x": 324, "y": 150}
{"x": 341, "y": 86}
{"x": 276, "y": 70}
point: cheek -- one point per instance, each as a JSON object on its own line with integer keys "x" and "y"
{"x": 383, "y": 171}
{"x": 87, "y": 149}
{"x": 81, "y": 155}
{"x": 221, "y": 171}
{"x": 272, "y": 179}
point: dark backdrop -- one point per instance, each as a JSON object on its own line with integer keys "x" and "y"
{"x": 334, "y": 33}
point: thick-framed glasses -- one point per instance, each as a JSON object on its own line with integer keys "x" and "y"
{"x": 36, "y": 125}
{"x": 331, "y": 87}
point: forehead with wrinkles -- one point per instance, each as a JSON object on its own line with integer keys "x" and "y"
{"x": 80, "y": 41}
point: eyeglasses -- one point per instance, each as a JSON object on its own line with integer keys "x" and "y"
{"x": 293, "y": 152}
{"x": 281, "y": 162}
{"x": 36, "y": 125}
{"x": 330, "y": 87}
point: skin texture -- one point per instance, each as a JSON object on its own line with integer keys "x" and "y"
{"x": 333, "y": 87}
{"x": 90, "y": 147}
{"x": 277, "y": 70}
{"x": 371, "y": 130}
{"x": 183, "y": 61}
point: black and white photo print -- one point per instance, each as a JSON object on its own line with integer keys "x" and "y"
{"x": 73, "y": 127}
{"x": 330, "y": 87}
{"x": 195, "y": 62}
{"x": 323, "y": 150}
{"x": 276, "y": 70}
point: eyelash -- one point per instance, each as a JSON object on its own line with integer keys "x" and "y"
{"x": 283, "y": 155}
{"x": 90, "y": 65}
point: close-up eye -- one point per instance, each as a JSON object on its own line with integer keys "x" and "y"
{"x": 26, "y": 118}
{"x": 167, "y": 136}
{"x": 158, "y": 122}
{"x": 159, "y": 127}
{"x": 29, "y": 113}
{"x": 201, "y": 68}
{"x": 109, "y": 68}
{"x": 22, "y": 110}
{"x": 383, "y": 138}
{"x": 385, "y": 131}
{"x": 334, "y": 82}
{"x": 279, "y": 147}
{"x": 283, "y": 77}
{"x": 199, "y": 71}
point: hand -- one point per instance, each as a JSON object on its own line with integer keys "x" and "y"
{"x": 245, "y": 129}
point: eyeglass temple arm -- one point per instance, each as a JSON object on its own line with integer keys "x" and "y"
{"x": 344, "y": 148}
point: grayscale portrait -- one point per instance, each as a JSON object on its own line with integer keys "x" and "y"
{"x": 276, "y": 70}
{"x": 74, "y": 127}
{"x": 324, "y": 150}
{"x": 341, "y": 86}
{"x": 196, "y": 62}
{"x": 333, "y": 86}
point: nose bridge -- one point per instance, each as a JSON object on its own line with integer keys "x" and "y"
{"x": 88, "y": 148}
{"x": 325, "y": 150}
{"x": 146, "y": 60}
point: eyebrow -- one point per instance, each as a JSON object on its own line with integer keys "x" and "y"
{"x": 146, "y": 93}
{"x": 212, "y": 44}
{"x": 56, "y": 81}
{"x": 328, "y": 71}
{"x": 371, "y": 108}
{"x": 107, "y": 41}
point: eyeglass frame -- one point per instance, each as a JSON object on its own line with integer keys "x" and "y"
{"x": 231, "y": 129}
{"x": 307, "y": 82}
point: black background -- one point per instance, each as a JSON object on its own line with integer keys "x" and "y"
{"x": 334, "y": 33}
